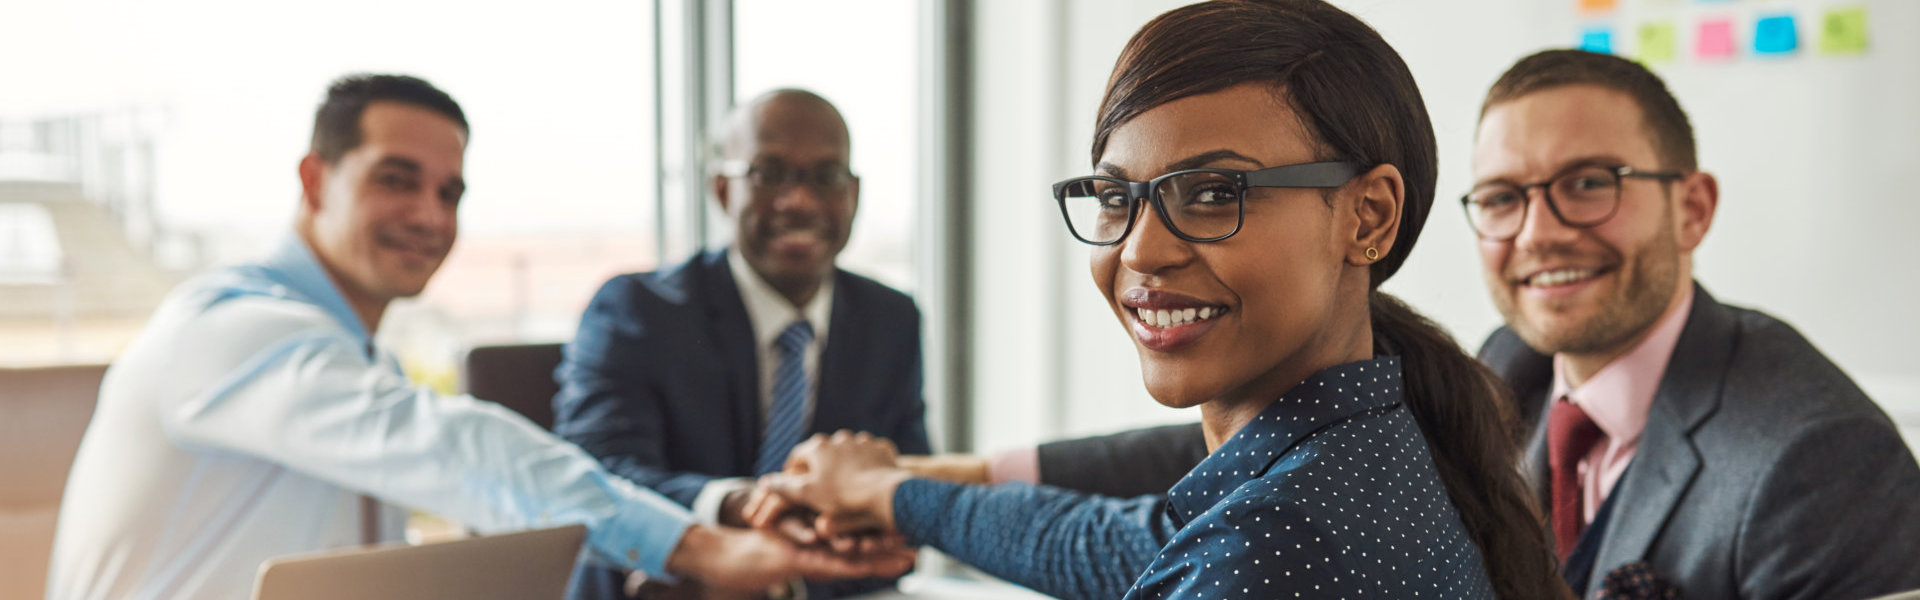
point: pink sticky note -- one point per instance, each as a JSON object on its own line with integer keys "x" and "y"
{"x": 1714, "y": 41}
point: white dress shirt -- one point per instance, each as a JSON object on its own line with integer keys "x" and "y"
{"x": 253, "y": 412}
{"x": 770, "y": 313}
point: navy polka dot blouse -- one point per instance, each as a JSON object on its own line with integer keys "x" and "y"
{"x": 1329, "y": 493}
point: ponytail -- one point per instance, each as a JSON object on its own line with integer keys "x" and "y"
{"x": 1467, "y": 417}
{"x": 1360, "y": 101}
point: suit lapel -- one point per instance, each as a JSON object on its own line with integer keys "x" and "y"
{"x": 1666, "y": 461}
{"x": 732, "y": 333}
{"x": 1530, "y": 375}
{"x": 1536, "y": 468}
{"x": 837, "y": 371}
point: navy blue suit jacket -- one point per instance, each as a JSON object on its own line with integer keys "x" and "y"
{"x": 661, "y": 382}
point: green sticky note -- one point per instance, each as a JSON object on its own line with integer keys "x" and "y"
{"x": 1844, "y": 30}
{"x": 1658, "y": 43}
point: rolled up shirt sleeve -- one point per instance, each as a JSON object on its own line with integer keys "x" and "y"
{"x": 308, "y": 397}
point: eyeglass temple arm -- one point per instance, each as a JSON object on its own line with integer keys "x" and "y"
{"x": 1660, "y": 175}
{"x": 1309, "y": 175}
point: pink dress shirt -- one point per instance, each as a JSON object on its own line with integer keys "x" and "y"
{"x": 1021, "y": 465}
{"x": 1617, "y": 399}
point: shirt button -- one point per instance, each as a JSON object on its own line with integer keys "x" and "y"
{"x": 633, "y": 555}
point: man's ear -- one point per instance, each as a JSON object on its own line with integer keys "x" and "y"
{"x": 1699, "y": 198}
{"x": 1382, "y": 196}
{"x": 855, "y": 210}
{"x": 719, "y": 184}
{"x": 312, "y": 172}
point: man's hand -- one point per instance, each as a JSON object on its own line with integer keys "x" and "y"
{"x": 849, "y": 478}
{"x": 956, "y": 468}
{"x": 775, "y": 515}
{"x": 734, "y": 507}
{"x": 754, "y": 561}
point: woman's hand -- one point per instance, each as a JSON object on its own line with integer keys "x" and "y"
{"x": 847, "y": 478}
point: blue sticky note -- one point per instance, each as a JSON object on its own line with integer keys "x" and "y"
{"x": 1597, "y": 39}
{"x": 1776, "y": 35}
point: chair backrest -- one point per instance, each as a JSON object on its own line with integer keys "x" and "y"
{"x": 43, "y": 413}
{"x": 518, "y": 376}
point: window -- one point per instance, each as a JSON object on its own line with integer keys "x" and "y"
{"x": 177, "y": 152}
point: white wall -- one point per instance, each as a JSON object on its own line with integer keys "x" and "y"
{"x": 1812, "y": 152}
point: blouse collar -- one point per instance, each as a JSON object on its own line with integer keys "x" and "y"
{"x": 1330, "y": 395}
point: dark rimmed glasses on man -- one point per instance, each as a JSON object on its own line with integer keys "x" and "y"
{"x": 1582, "y": 196}
{"x": 1197, "y": 205}
{"x": 771, "y": 177}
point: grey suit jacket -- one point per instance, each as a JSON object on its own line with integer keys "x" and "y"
{"x": 1126, "y": 464}
{"x": 1764, "y": 472}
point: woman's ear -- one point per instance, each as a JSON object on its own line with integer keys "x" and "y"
{"x": 1379, "y": 196}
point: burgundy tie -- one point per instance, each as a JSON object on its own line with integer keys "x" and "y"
{"x": 1570, "y": 436}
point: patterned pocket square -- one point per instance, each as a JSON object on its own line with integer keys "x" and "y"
{"x": 1636, "y": 581}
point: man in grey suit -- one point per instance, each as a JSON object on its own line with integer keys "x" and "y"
{"x": 1712, "y": 444}
{"x": 1709, "y": 446}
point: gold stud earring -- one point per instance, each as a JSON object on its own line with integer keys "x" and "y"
{"x": 1373, "y": 254}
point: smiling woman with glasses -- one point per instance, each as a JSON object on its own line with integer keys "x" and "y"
{"x": 1260, "y": 168}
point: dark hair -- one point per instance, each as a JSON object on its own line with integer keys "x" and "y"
{"x": 1358, "y": 98}
{"x": 1659, "y": 112}
{"x": 336, "y": 125}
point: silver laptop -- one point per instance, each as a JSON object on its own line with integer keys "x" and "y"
{"x": 528, "y": 565}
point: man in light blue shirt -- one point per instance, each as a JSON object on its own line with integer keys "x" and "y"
{"x": 255, "y": 416}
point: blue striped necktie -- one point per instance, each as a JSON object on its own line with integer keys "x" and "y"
{"x": 786, "y": 421}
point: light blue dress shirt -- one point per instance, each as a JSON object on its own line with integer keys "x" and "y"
{"x": 248, "y": 418}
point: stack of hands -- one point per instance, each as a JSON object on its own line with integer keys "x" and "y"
{"x": 836, "y": 492}
{"x": 827, "y": 516}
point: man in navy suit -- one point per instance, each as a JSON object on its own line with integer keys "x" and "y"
{"x": 695, "y": 379}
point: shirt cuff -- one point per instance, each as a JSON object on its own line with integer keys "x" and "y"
{"x": 1022, "y": 465}
{"x": 706, "y": 506}
{"x": 643, "y": 530}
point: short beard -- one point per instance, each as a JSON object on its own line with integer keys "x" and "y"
{"x": 1649, "y": 283}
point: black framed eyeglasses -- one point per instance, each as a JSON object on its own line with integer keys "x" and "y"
{"x": 770, "y": 177}
{"x": 1582, "y": 196}
{"x": 1197, "y": 205}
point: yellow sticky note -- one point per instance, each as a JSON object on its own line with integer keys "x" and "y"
{"x": 1844, "y": 30}
{"x": 1658, "y": 43}
{"x": 1594, "y": 6}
